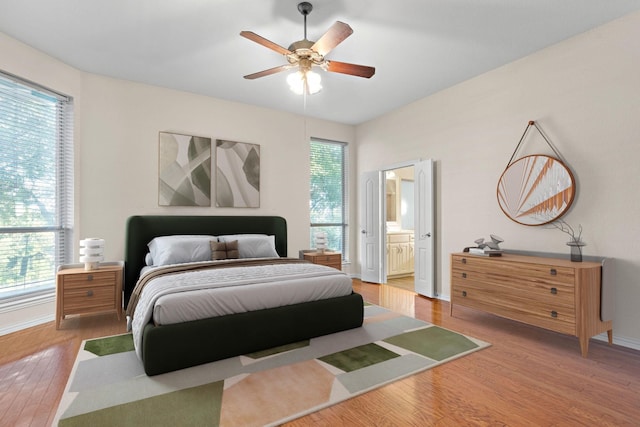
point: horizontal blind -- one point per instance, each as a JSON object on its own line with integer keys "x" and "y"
{"x": 329, "y": 201}
{"x": 36, "y": 185}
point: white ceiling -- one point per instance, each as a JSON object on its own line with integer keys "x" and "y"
{"x": 418, "y": 47}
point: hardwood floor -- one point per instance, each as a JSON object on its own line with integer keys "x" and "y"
{"x": 528, "y": 376}
{"x": 35, "y": 365}
{"x": 404, "y": 282}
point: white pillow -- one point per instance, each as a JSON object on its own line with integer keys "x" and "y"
{"x": 253, "y": 245}
{"x": 178, "y": 249}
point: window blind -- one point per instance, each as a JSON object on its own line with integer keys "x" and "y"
{"x": 329, "y": 201}
{"x": 36, "y": 185}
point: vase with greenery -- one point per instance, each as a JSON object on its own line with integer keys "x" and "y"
{"x": 575, "y": 242}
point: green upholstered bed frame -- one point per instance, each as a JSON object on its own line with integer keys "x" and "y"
{"x": 171, "y": 347}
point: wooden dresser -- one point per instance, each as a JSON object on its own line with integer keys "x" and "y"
{"x": 554, "y": 294}
{"x": 331, "y": 259}
{"x": 79, "y": 291}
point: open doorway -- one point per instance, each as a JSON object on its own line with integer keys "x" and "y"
{"x": 399, "y": 227}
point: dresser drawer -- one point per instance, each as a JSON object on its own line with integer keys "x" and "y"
{"x": 504, "y": 270}
{"x": 545, "y": 289}
{"x": 557, "y": 314}
{"x": 551, "y": 296}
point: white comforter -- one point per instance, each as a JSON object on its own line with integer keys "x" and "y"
{"x": 207, "y": 293}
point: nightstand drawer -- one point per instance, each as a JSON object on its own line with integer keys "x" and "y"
{"x": 333, "y": 259}
{"x": 89, "y": 300}
{"x": 89, "y": 279}
{"x": 326, "y": 259}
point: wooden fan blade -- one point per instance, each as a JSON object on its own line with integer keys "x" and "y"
{"x": 268, "y": 72}
{"x": 351, "y": 69}
{"x": 264, "y": 42}
{"x": 332, "y": 38}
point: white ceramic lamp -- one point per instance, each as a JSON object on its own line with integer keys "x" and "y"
{"x": 321, "y": 241}
{"x": 91, "y": 252}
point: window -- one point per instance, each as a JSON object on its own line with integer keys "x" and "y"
{"x": 36, "y": 198}
{"x": 329, "y": 202}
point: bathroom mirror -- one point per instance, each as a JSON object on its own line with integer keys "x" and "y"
{"x": 392, "y": 199}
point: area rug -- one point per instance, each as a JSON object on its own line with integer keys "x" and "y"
{"x": 108, "y": 386}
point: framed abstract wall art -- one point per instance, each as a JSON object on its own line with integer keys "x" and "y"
{"x": 237, "y": 174}
{"x": 184, "y": 170}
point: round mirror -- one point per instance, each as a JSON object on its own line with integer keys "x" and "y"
{"x": 536, "y": 190}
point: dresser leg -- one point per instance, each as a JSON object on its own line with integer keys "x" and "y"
{"x": 584, "y": 345}
{"x": 610, "y": 336}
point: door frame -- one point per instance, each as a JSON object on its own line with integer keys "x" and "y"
{"x": 383, "y": 228}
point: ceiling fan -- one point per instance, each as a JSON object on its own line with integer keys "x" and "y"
{"x": 304, "y": 54}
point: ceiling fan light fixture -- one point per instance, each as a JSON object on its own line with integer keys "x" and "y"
{"x": 304, "y": 54}
{"x": 304, "y": 81}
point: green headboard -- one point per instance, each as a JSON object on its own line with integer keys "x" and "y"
{"x": 141, "y": 229}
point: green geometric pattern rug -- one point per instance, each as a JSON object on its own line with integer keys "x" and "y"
{"x": 108, "y": 386}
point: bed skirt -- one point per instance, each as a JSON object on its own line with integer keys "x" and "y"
{"x": 171, "y": 347}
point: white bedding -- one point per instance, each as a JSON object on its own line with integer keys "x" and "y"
{"x": 222, "y": 291}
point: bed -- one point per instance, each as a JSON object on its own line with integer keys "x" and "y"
{"x": 169, "y": 347}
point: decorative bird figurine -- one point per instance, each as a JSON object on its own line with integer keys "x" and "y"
{"x": 493, "y": 244}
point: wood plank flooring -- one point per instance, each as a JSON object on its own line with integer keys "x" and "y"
{"x": 528, "y": 376}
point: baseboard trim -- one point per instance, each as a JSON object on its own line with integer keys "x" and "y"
{"x": 25, "y": 313}
{"x": 621, "y": 341}
{"x": 27, "y": 302}
{"x": 28, "y": 324}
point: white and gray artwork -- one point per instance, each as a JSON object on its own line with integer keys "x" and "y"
{"x": 184, "y": 170}
{"x": 237, "y": 174}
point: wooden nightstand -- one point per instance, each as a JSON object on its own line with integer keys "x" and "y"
{"x": 331, "y": 259}
{"x": 89, "y": 292}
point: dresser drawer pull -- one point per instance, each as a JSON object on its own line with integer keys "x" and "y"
{"x": 554, "y": 291}
{"x": 554, "y": 313}
{"x": 463, "y": 260}
{"x": 89, "y": 277}
{"x": 90, "y": 293}
{"x": 464, "y": 293}
{"x": 553, "y": 271}
{"x": 464, "y": 275}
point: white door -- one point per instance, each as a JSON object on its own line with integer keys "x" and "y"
{"x": 424, "y": 229}
{"x": 371, "y": 231}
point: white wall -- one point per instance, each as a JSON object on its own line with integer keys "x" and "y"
{"x": 118, "y": 174}
{"x": 585, "y": 95}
